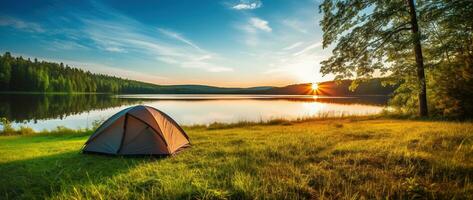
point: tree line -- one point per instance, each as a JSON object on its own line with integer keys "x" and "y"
{"x": 20, "y": 74}
{"x": 425, "y": 46}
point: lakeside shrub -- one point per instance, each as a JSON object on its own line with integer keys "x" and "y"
{"x": 7, "y": 128}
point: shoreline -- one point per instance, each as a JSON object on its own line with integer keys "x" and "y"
{"x": 25, "y": 130}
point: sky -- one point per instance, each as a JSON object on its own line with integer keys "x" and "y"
{"x": 229, "y": 43}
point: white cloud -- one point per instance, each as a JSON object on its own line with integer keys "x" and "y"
{"x": 207, "y": 66}
{"x": 168, "y": 60}
{"x": 196, "y": 63}
{"x": 308, "y": 48}
{"x": 252, "y": 30}
{"x": 65, "y": 45}
{"x": 125, "y": 34}
{"x": 292, "y": 46}
{"x": 178, "y": 36}
{"x": 250, "y": 34}
{"x": 296, "y": 25}
{"x": 245, "y": 5}
{"x": 260, "y": 24}
{"x": 299, "y": 61}
{"x": 20, "y": 24}
{"x": 115, "y": 49}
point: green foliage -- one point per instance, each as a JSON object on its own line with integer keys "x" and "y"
{"x": 373, "y": 37}
{"x": 7, "y": 128}
{"x": 363, "y": 159}
{"x": 19, "y": 74}
{"x": 448, "y": 47}
{"x": 368, "y": 33}
{"x": 5, "y": 71}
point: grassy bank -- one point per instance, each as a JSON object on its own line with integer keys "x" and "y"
{"x": 335, "y": 159}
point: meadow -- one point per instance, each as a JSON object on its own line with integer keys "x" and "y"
{"x": 351, "y": 158}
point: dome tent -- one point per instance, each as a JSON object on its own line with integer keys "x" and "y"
{"x": 138, "y": 130}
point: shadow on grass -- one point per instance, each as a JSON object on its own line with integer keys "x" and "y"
{"x": 44, "y": 176}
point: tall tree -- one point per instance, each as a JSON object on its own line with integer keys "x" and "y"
{"x": 419, "y": 58}
{"x": 448, "y": 49}
{"x": 5, "y": 71}
{"x": 371, "y": 37}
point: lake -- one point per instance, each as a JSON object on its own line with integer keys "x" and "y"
{"x": 79, "y": 111}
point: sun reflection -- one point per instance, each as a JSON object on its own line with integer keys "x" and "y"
{"x": 313, "y": 108}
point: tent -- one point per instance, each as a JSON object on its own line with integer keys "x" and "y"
{"x": 138, "y": 130}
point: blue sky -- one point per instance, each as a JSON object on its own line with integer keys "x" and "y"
{"x": 213, "y": 42}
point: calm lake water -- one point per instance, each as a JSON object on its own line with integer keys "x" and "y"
{"x": 80, "y": 111}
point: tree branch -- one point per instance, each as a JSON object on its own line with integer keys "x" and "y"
{"x": 385, "y": 38}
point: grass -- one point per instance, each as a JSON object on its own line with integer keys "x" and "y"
{"x": 353, "y": 158}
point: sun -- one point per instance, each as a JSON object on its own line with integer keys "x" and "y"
{"x": 315, "y": 86}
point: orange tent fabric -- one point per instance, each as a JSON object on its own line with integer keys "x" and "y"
{"x": 138, "y": 130}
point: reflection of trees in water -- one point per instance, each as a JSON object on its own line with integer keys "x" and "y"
{"x": 26, "y": 107}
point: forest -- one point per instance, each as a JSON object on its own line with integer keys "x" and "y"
{"x": 20, "y": 74}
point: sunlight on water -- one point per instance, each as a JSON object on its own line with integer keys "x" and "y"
{"x": 204, "y": 109}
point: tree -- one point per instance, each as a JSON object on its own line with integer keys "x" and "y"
{"x": 374, "y": 37}
{"x": 449, "y": 49}
{"x": 419, "y": 58}
{"x": 5, "y": 71}
{"x": 43, "y": 81}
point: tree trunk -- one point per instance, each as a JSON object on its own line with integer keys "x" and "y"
{"x": 419, "y": 59}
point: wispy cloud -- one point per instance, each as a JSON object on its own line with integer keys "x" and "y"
{"x": 200, "y": 62}
{"x": 260, "y": 24}
{"x": 299, "y": 61}
{"x": 293, "y": 46}
{"x": 303, "y": 68}
{"x": 207, "y": 66}
{"x": 179, "y": 37}
{"x": 253, "y": 29}
{"x": 167, "y": 60}
{"x": 115, "y": 49}
{"x": 250, "y": 35}
{"x": 118, "y": 33}
{"x": 20, "y": 24}
{"x": 65, "y": 45}
{"x": 308, "y": 48}
{"x": 247, "y": 5}
{"x": 295, "y": 25}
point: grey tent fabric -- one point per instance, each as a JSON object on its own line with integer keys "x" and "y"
{"x": 138, "y": 130}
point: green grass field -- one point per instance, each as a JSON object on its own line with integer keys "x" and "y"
{"x": 333, "y": 159}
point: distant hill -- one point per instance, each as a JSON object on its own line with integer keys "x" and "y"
{"x": 328, "y": 88}
{"x": 204, "y": 89}
{"x": 333, "y": 88}
{"x": 18, "y": 74}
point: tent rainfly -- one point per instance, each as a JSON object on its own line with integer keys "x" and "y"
{"x": 138, "y": 130}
